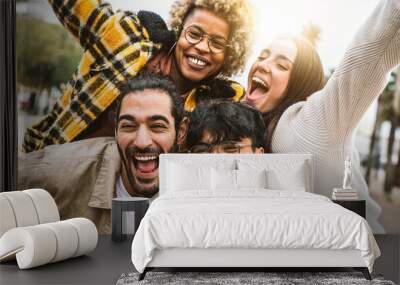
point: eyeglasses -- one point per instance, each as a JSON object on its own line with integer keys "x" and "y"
{"x": 222, "y": 147}
{"x": 194, "y": 35}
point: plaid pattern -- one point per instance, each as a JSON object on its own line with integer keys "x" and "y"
{"x": 116, "y": 47}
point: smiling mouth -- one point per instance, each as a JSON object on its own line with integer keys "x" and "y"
{"x": 197, "y": 62}
{"x": 258, "y": 89}
{"x": 145, "y": 163}
{"x": 257, "y": 83}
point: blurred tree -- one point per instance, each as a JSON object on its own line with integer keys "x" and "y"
{"x": 312, "y": 32}
{"x": 396, "y": 107}
{"x": 372, "y": 155}
{"x": 46, "y": 54}
{"x": 387, "y": 111}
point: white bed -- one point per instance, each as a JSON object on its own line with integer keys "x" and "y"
{"x": 231, "y": 211}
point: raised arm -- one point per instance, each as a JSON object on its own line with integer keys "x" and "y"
{"x": 83, "y": 18}
{"x": 360, "y": 78}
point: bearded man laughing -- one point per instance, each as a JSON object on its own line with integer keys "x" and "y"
{"x": 85, "y": 175}
{"x": 147, "y": 124}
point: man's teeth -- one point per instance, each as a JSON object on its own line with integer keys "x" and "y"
{"x": 197, "y": 61}
{"x": 259, "y": 81}
{"x": 145, "y": 158}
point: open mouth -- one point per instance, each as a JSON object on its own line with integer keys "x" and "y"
{"x": 257, "y": 83}
{"x": 258, "y": 88}
{"x": 145, "y": 164}
{"x": 197, "y": 62}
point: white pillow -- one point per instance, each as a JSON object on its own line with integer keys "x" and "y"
{"x": 182, "y": 177}
{"x": 227, "y": 179}
{"x": 293, "y": 180}
{"x": 283, "y": 174}
{"x": 251, "y": 178}
{"x": 224, "y": 179}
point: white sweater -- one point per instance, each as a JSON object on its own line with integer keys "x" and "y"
{"x": 325, "y": 124}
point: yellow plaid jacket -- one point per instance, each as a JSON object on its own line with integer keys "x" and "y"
{"x": 116, "y": 47}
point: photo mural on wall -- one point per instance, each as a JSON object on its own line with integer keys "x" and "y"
{"x": 57, "y": 64}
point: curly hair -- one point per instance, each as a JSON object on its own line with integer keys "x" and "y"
{"x": 237, "y": 13}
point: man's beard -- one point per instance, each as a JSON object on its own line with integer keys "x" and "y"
{"x": 137, "y": 183}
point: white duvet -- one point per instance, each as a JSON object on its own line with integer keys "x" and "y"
{"x": 253, "y": 218}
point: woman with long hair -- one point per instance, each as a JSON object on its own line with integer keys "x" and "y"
{"x": 286, "y": 83}
{"x": 209, "y": 39}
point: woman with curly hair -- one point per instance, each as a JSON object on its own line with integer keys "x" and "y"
{"x": 210, "y": 39}
{"x": 223, "y": 23}
{"x": 305, "y": 115}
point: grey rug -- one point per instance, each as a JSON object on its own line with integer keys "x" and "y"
{"x": 269, "y": 278}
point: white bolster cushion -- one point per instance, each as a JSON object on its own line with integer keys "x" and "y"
{"x": 40, "y": 244}
{"x": 33, "y": 246}
{"x": 87, "y": 235}
{"x": 7, "y": 218}
{"x": 67, "y": 240}
{"x": 26, "y": 208}
{"x": 23, "y": 208}
{"x": 45, "y": 205}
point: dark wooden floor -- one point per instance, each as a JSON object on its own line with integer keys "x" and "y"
{"x": 106, "y": 264}
{"x": 389, "y": 262}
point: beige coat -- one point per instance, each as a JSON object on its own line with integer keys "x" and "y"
{"x": 81, "y": 176}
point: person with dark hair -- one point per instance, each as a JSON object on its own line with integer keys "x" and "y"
{"x": 153, "y": 81}
{"x": 148, "y": 118}
{"x": 84, "y": 176}
{"x": 225, "y": 127}
{"x": 209, "y": 39}
{"x": 286, "y": 83}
